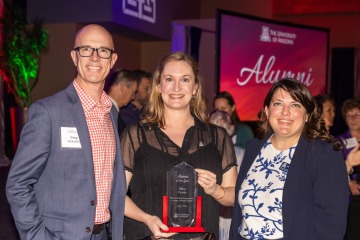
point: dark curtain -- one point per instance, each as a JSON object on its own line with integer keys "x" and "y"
{"x": 195, "y": 37}
{"x": 343, "y": 73}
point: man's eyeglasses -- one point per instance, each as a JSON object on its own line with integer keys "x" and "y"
{"x": 353, "y": 116}
{"x": 102, "y": 52}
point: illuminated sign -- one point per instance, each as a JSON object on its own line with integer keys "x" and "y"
{"x": 142, "y": 9}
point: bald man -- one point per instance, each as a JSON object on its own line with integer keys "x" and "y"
{"x": 67, "y": 177}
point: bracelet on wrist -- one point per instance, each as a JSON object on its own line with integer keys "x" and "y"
{"x": 223, "y": 190}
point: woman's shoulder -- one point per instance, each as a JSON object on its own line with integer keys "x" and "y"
{"x": 319, "y": 152}
{"x": 132, "y": 131}
{"x": 141, "y": 126}
{"x": 320, "y": 146}
{"x": 318, "y": 142}
{"x": 135, "y": 135}
{"x": 132, "y": 127}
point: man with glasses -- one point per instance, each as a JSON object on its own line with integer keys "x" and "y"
{"x": 67, "y": 178}
{"x": 350, "y": 110}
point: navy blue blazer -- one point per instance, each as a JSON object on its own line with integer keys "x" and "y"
{"x": 315, "y": 197}
{"x": 51, "y": 189}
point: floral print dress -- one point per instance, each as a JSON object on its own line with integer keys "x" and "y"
{"x": 260, "y": 195}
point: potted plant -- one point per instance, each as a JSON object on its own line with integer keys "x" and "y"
{"x": 22, "y": 45}
{"x": 20, "y": 49}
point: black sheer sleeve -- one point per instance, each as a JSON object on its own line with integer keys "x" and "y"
{"x": 130, "y": 143}
{"x": 226, "y": 148}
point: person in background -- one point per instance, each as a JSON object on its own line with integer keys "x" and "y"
{"x": 350, "y": 110}
{"x": 131, "y": 113}
{"x": 292, "y": 183}
{"x": 327, "y": 109}
{"x": 120, "y": 86}
{"x": 225, "y": 102}
{"x": 175, "y": 130}
{"x": 67, "y": 178}
{"x": 222, "y": 119}
{"x": 326, "y": 102}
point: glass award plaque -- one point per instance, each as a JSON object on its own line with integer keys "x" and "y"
{"x": 181, "y": 205}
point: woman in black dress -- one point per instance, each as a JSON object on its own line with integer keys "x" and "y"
{"x": 175, "y": 130}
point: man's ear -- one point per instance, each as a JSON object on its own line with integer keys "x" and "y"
{"x": 74, "y": 57}
{"x": 113, "y": 59}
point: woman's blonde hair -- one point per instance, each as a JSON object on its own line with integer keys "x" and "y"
{"x": 155, "y": 107}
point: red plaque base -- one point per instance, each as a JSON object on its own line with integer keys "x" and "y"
{"x": 196, "y": 228}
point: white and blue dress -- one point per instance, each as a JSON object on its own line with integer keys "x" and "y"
{"x": 261, "y": 193}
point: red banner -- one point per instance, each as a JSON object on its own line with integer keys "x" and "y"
{"x": 254, "y": 53}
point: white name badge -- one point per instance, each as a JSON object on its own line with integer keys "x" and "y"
{"x": 350, "y": 142}
{"x": 70, "y": 138}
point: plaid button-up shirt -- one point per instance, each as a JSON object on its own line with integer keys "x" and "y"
{"x": 102, "y": 138}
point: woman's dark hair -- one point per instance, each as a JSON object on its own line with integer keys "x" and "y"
{"x": 226, "y": 95}
{"x": 314, "y": 128}
{"x": 321, "y": 99}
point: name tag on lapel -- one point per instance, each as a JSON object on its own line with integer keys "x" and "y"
{"x": 350, "y": 142}
{"x": 70, "y": 138}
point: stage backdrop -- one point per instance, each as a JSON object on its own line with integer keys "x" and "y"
{"x": 253, "y": 53}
